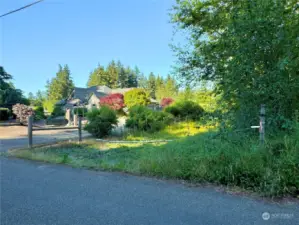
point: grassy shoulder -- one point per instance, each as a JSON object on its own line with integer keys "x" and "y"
{"x": 230, "y": 159}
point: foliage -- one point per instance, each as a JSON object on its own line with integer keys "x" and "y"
{"x": 101, "y": 121}
{"x": 115, "y": 75}
{"x": 38, "y": 99}
{"x": 136, "y": 97}
{"x": 9, "y": 95}
{"x": 166, "y": 101}
{"x": 39, "y": 113}
{"x": 4, "y": 113}
{"x": 166, "y": 88}
{"x": 114, "y": 101}
{"x": 49, "y": 105}
{"x": 151, "y": 86}
{"x": 22, "y": 112}
{"x": 56, "y": 121}
{"x": 61, "y": 86}
{"x": 185, "y": 110}
{"x": 58, "y": 111}
{"x": 145, "y": 119}
{"x": 80, "y": 111}
{"x": 232, "y": 160}
{"x": 249, "y": 49}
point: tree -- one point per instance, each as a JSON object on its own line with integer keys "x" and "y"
{"x": 31, "y": 98}
{"x": 112, "y": 75}
{"x": 9, "y": 95}
{"x": 113, "y": 101}
{"x": 40, "y": 97}
{"x": 132, "y": 78}
{"x": 122, "y": 78}
{"x": 62, "y": 85}
{"x": 152, "y": 85}
{"x": 166, "y": 88}
{"x": 97, "y": 77}
{"x": 249, "y": 49}
{"x": 136, "y": 97}
{"x": 4, "y": 76}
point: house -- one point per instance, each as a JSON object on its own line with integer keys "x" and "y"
{"x": 90, "y": 97}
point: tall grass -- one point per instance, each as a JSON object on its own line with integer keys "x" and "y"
{"x": 233, "y": 159}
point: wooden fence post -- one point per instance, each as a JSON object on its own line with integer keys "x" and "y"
{"x": 75, "y": 120}
{"x": 262, "y": 124}
{"x": 30, "y": 125}
{"x": 80, "y": 128}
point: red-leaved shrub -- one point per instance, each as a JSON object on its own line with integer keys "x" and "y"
{"x": 166, "y": 102}
{"x": 114, "y": 101}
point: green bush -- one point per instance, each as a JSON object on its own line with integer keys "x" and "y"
{"x": 145, "y": 119}
{"x": 136, "y": 97}
{"x": 39, "y": 113}
{"x": 57, "y": 121}
{"x": 58, "y": 111}
{"x": 101, "y": 121}
{"x": 4, "y": 113}
{"x": 80, "y": 111}
{"x": 49, "y": 105}
{"x": 185, "y": 110}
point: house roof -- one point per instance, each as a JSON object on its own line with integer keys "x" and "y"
{"x": 84, "y": 93}
{"x": 98, "y": 94}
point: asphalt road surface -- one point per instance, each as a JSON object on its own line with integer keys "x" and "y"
{"x": 43, "y": 194}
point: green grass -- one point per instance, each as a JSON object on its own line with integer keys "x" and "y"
{"x": 227, "y": 159}
{"x": 173, "y": 131}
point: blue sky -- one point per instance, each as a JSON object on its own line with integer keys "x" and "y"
{"x": 83, "y": 33}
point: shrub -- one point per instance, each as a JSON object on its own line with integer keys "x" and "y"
{"x": 114, "y": 101}
{"x": 4, "y": 113}
{"x": 136, "y": 97}
{"x": 166, "y": 102}
{"x": 58, "y": 111}
{"x": 145, "y": 119}
{"x": 101, "y": 121}
{"x": 38, "y": 113}
{"x": 22, "y": 112}
{"x": 57, "y": 121}
{"x": 80, "y": 111}
{"x": 49, "y": 106}
{"x": 185, "y": 110}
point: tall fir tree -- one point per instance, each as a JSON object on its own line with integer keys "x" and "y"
{"x": 152, "y": 85}
{"x": 97, "y": 77}
{"x": 112, "y": 73}
{"x": 132, "y": 78}
{"x": 62, "y": 85}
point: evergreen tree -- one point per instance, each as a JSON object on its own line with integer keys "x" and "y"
{"x": 122, "y": 76}
{"x": 132, "y": 78}
{"x": 31, "y": 98}
{"x": 112, "y": 75}
{"x": 152, "y": 85}
{"x": 62, "y": 85}
{"x": 97, "y": 77}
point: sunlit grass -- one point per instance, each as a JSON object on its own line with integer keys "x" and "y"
{"x": 173, "y": 131}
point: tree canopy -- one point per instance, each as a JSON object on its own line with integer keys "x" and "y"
{"x": 249, "y": 49}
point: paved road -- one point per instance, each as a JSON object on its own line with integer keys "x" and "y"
{"x": 42, "y": 194}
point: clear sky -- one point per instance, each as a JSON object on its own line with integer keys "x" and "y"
{"x": 83, "y": 33}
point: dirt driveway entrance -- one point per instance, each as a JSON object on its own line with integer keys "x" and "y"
{"x": 16, "y": 136}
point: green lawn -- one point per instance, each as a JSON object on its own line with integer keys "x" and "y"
{"x": 228, "y": 159}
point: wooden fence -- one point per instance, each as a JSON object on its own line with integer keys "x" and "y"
{"x": 31, "y": 129}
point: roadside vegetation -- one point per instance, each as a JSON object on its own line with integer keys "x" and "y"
{"x": 220, "y": 158}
